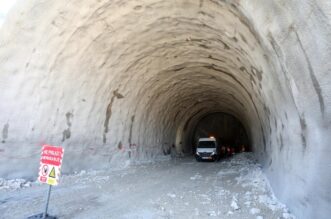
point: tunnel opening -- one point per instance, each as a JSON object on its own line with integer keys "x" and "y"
{"x": 140, "y": 90}
{"x": 225, "y": 128}
{"x": 139, "y": 81}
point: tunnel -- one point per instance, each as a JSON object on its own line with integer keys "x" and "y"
{"x": 118, "y": 82}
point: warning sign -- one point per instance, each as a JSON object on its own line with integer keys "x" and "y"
{"x": 52, "y": 173}
{"x": 44, "y": 170}
{"x": 50, "y": 164}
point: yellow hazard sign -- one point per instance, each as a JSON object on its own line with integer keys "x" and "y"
{"x": 52, "y": 173}
{"x": 49, "y": 174}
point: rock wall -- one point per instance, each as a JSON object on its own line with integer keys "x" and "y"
{"x": 117, "y": 81}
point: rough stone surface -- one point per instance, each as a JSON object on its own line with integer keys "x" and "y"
{"x": 119, "y": 80}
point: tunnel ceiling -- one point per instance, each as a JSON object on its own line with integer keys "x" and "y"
{"x": 156, "y": 68}
{"x": 117, "y": 81}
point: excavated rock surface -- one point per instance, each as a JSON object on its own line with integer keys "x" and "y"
{"x": 114, "y": 81}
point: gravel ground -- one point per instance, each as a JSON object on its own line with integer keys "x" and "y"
{"x": 180, "y": 188}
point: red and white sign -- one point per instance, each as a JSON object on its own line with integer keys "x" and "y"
{"x": 50, "y": 164}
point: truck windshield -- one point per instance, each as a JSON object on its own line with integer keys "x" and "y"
{"x": 206, "y": 144}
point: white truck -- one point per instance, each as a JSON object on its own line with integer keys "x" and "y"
{"x": 207, "y": 149}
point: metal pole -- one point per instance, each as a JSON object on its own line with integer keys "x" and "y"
{"x": 47, "y": 201}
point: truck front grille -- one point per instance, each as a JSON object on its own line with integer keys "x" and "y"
{"x": 205, "y": 154}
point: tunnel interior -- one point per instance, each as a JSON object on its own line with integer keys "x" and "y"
{"x": 131, "y": 86}
{"x": 225, "y": 128}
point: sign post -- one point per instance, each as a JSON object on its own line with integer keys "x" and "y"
{"x": 49, "y": 173}
{"x": 47, "y": 201}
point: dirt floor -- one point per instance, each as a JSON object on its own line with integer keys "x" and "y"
{"x": 177, "y": 188}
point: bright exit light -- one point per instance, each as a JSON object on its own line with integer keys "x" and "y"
{"x": 5, "y": 6}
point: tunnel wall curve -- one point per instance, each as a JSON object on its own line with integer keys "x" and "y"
{"x": 116, "y": 81}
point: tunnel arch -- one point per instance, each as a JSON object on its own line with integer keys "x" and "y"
{"x": 115, "y": 81}
{"x": 199, "y": 87}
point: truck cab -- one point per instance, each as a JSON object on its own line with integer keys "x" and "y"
{"x": 207, "y": 149}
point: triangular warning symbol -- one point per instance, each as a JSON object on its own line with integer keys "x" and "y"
{"x": 52, "y": 173}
